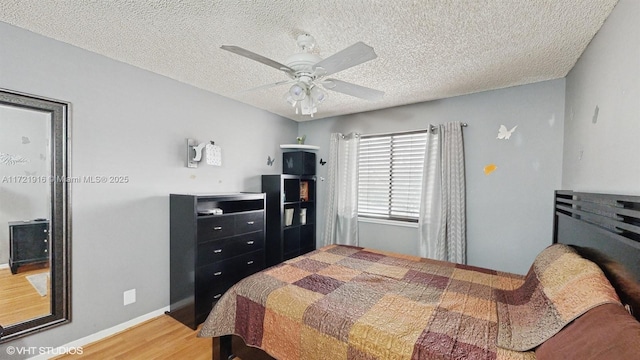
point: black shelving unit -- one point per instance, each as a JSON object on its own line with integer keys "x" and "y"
{"x": 286, "y": 240}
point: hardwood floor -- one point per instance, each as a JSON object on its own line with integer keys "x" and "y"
{"x": 19, "y": 301}
{"x": 159, "y": 338}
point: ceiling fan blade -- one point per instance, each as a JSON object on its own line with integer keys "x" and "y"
{"x": 259, "y": 58}
{"x": 353, "y": 89}
{"x": 354, "y": 55}
{"x": 267, "y": 86}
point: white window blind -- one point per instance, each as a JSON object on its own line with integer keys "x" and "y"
{"x": 390, "y": 175}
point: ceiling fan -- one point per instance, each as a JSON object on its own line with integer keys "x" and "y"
{"x": 307, "y": 73}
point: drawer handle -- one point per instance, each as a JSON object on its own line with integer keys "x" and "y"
{"x": 217, "y": 251}
{"x": 217, "y": 228}
{"x": 217, "y": 273}
{"x": 250, "y": 262}
{"x": 217, "y": 296}
{"x": 251, "y": 222}
{"x": 250, "y": 242}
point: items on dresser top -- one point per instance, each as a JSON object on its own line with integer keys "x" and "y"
{"x": 216, "y": 240}
{"x": 216, "y": 211}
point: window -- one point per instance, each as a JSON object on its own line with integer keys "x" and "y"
{"x": 390, "y": 175}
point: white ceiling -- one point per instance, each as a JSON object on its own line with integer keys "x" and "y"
{"x": 427, "y": 49}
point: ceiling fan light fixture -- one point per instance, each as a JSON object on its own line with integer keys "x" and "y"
{"x": 305, "y": 98}
{"x": 308, "y": 107}
{"x": 317, "y": 94}
{"x": 298, "y": 91}
{"x": 289, "y": 99}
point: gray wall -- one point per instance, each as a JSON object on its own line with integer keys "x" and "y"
{"x": 130, "y": 122}
{"x": 603, "y": 155}
{"x": 510, "y": 212}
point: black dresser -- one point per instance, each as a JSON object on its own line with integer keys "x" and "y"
{"x": 216, "y": 240}
{"x": 28, "y": 243}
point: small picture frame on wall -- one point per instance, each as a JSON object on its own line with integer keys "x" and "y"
{"x": 304, "y": 191}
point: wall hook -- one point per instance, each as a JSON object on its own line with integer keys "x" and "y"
{"x": 195, "y": 150}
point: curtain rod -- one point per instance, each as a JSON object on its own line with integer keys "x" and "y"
{"x": 351, "y": 134}
{"x": 430, "y": 129}
{"x": 433, "y": 128}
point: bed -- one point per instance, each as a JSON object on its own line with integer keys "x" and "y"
{"x": 342, "y": 302}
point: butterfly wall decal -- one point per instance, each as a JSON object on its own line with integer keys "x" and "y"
{"x": 322, "y": 162}
{"x": 489, "y": 169}
{"x": 270, "y": 161}
{"x": 504, "y": 134}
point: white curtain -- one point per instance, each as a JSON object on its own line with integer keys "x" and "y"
{"x": 442, "y": 222}
{"x": 341, "y": 213}
{"x": 429, "y": 220}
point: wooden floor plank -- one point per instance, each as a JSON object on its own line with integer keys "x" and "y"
{"x": 19, "y": 301}
{"x": 159, "y": 338}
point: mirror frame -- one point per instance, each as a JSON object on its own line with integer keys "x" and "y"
{"x": 60, "y": 230}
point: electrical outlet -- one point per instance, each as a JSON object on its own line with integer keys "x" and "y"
{"x": 129, "y": 297}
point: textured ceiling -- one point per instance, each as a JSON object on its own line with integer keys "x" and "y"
{"x": 427, "y": 49}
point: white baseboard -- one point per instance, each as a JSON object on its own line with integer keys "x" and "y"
{"x": 4, "y": 266}
{"x": 106, "y": 333}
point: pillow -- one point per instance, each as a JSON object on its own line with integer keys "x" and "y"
{"x": 560, "y": 286}
{"x": 602, "y": 333}
{"x": 623, "y": 281}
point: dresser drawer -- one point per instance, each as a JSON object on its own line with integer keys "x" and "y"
{"x": 215, "y": 227}
{"x": 248, "y": 264}
{"x": 228, "y": 272}
{"x": 249, "y": 222}
{"x": 206, "y": 296}
{"x": 222, "y": 249}
{"x": 215, "y": 279}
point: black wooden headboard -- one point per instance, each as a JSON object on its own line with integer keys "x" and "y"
{"x": 609, "y": 224}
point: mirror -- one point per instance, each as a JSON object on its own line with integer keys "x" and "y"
{"x": 34, "y": 214}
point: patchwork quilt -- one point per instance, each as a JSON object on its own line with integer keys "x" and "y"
{"x": 343, "y": 302}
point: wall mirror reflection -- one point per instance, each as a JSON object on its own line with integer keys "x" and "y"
{"x": 34, "y": 214}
